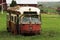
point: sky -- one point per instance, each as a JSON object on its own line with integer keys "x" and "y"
{"x": 31, "y": 1}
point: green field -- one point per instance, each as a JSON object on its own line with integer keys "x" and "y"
{"x": 50, "y": 29}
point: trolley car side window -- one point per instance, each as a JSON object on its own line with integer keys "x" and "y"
{"x": 11, "y": 18}
{"x": 15, "y": 19}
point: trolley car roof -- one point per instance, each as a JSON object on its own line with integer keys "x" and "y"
{"x": 24, "y": 9}
{"x": 27, "y": 9}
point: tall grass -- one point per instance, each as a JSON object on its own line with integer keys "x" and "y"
{"x": 50, "y": 29}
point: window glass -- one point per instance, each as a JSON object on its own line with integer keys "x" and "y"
{"x": 32, "y": 19}
{"x": 35, "y": 20}
{"x": 25, "y": 19}
{"x": 30, "y": 13}
{"x": 15, "y": 19}
{"x": 11, "y": 18}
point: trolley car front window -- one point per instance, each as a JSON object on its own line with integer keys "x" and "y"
{"x": 26, "y": 20}
{"x": 30, "y": 17}
{"x": 33, "y": 20}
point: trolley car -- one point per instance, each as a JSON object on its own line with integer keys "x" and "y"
{"x": 24, "y": 20}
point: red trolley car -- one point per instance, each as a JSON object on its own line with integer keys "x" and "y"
{"x": 24, "y": 20}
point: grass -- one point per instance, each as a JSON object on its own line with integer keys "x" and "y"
{"x": 50, "y": 29}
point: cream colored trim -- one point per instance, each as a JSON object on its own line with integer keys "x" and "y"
{"x": 13, "y": 15}
{"x": 20, "y": 15}
{"x": 34, "y": 9}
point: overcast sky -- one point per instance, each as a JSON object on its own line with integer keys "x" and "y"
{"x": 31, "y": 1}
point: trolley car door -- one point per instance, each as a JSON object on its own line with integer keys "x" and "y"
{"x": 17, "y": 24}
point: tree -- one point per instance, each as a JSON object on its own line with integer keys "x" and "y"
{"x": 13, "y": 3}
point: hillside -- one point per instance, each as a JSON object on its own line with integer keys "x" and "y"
{"x": 50, "y": 4}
